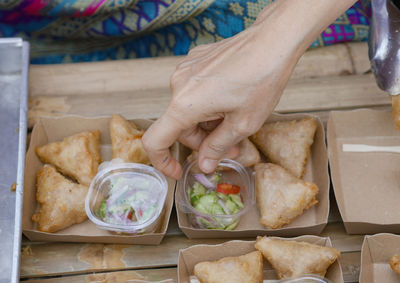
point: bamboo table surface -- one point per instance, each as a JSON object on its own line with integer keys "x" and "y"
{"x": 329, "y": 78}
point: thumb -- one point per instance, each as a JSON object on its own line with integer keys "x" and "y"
{"x": 217, "y": 144}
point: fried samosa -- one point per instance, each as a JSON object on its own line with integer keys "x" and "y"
{"x": 77, "y": 156}
{"x": 242, "y": 269}
{"x": 126, "y": 141}
{"x": 248, "y": 156}
{"x": 292, "y": 259}
{"x": 395, "y": 263}
{"x": 281, "y": 197}
{"x": 62, "y": 202}
{"x": 287, "y": 143}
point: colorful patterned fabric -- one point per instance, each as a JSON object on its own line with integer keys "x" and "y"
{"x": 82, "y": 30}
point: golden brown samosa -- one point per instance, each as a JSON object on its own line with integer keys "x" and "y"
{"x": 395, "y": 263}
{"x": 281, "y": 197}
{"x": 287, "y": 143}
{"x": 62, "y": 202}
{"x": 77, "y": 156}
{"x": 292, "y": 259}
{"x": 242, "y": 269}
{"x": 126, "y": 141}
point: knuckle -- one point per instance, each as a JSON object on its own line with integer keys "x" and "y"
{"x": 217, "y": 148}
{"x": 243, "y": 129}
{"x": 173, "y": 81}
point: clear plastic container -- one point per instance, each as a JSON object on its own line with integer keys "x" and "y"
{"x": 231, "y": 172}
{"x": 126, "y": 197}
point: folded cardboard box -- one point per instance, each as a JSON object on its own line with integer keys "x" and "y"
{"x": 189, "y": 257}
{"x": 366, "y": 184}
{"x": 375, "y": 257}
{"x": 312, "y": 221}
{"x": 55, "y": 129}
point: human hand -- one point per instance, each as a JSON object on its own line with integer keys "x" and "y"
{"x": 237, "y": 81}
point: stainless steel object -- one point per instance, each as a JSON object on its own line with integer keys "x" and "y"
{"x": 14, "y": 60}
{"x": 384, "y": 44}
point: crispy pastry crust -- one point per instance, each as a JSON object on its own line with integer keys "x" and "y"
{"x": 292, "y": 259}
{"x": 126, "y": 141}
{"x": 281, "y": 197}
{"x": 62, "y": 202}
{"x": 242, "y": 269}
{"x": 287, "y": 143}
{"x": 77, "y": 156}
{"x": 395, "y": 263}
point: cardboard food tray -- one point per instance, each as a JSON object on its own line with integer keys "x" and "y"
{"x": 312, "y": 221}
{"x": 55, "y": 129}
{"x": 189, "y": 257}
{"x": 366, "y": 184}
{"x": 376, "y": 252}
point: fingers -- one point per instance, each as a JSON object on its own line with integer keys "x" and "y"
{"x": 193, "y": 137}
{"x": 220, "y": 142}
{"x": 210, "y": 125}
{"x": 157, "y": 141}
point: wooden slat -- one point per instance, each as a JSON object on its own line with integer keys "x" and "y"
{"x": 128, "y": 75}
{"x": 328, "y": 93}
{"x": 74, "y": 258}
{"x": 359, "y": 57}
{"x": 312, "y": 94}
{"x": 115, "y": 277}
{"x": 140, "y": 88}
{"x": 332, "y": 60}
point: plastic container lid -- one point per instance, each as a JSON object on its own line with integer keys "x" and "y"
{"x": 126, "y": 197}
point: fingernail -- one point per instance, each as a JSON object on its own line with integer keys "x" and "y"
{"x": 209, "y": 165}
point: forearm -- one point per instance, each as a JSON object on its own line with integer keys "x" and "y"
{"x": 299, "y": 22}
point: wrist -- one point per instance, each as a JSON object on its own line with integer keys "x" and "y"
{"x": 299, "y": 22}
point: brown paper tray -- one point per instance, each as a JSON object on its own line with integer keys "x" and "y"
{"x": 55, "y": 129}
{"x": 312, "y": 221}
{"x": 366, "y": 185}
{"x": 376, "y": 252}
{"x": 189, "y": 257}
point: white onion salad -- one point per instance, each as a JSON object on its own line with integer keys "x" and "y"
{"x": 131, "y": 200}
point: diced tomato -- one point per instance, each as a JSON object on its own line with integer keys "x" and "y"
{"x": 226, "y": 188}
{"x": 130, "y": 214}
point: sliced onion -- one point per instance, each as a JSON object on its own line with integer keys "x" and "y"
{"x": 204, "y": 181}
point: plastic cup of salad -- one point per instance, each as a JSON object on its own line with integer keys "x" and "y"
{"x": 126, "y": 197}
{"x": 217, "y": 200}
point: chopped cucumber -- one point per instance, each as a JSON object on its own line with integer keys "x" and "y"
{"x": 216, "y": 209}
{"x": 195, "y": 199}
{"x": 200, "y": 207}
{"x": 199, "y": 189}
{"x": 231, "y": 226}
{"x": 216, "y": 179}
{"x": 236, "y": 199}
{"x": 232, "y": 206}
{"x": 206, "y": 223}
{"x": 208, "y": 200}
{"x": 222, "y": 196}
{"x": 102, "y": 209}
